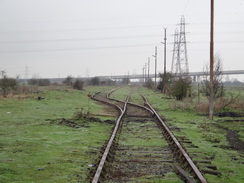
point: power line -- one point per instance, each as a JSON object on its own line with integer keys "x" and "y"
{"x": 185, "y": 7}
{"x": 107, "y": 38}
{"x": 82, "y": 39}
{"x": 112, "y": 28}
{"x": 77, "y": 49}
{"x": 86, "y": 29}
{"x": 112, "y": 47}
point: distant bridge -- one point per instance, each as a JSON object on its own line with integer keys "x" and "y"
{"x": 195, "y": 76}
{"x": 192, "y": 74}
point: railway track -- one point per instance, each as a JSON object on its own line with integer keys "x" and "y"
{"x": 141, "y": 147}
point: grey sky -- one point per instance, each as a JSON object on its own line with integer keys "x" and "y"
{"x": 56, "y": 38}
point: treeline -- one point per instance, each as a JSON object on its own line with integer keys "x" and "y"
{"x": 78, "y": 84}
{"x": 39, "y": 82}
{"x": 13, "y": 86}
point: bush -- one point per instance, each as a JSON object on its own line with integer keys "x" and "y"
{"x": 125, "y": 81}
{"x": 78, "y": 84}
{"x": 68, "y": 80}
{"x": 180, "y": 87}
{"x": 149, "y": 83}
{"x": 111, "y": 82}
{"x": 7, "y": 85}
{"x": 95, "y": 81}
{"x": 39, "y": 82}
{"x": 169, "y": 80}
{"x": 25, "y": 90}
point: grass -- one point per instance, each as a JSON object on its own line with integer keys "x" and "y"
{"x": 121, "y": 93}
{"x": 210, "y": 139}
{"x": 34, "y": 149}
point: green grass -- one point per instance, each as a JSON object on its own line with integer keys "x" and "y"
{"x": 200, "y": 130}
{"x": 34, "y": 149}
{"x": 121, "y": 93}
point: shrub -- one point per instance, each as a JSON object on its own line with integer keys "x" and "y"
{"x": 68, "y": 80}
{"x": 78, "y": 84}
{"x": 180, "y": 87}
{"x": 95, "y": 81}
{"x": 7, "y": 85}
{"x": 169, "y": 80}
{"x": 125, "y": 81}
{"x": 39, "y": 82}
{"x": 149, "y": 83}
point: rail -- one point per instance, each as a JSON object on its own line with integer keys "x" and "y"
{"x": 179, "y": 149}
{"x": 111, "y": 140}
{"x": 186, "y": 164}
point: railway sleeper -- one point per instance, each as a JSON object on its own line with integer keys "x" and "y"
{"x": 184, "y": 175}
{"x": 211, "y": 167}
{"x": 211, "y": 172}
{"x": 136, "y": 162}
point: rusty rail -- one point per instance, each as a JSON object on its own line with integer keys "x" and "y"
{"x": 185, "y": 159}
{"x": 186, "y": 163}
{"x": 111, "y": 140}
{"x": 137, "y": 105}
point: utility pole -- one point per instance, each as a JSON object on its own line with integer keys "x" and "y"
{"x": 211, "y": 99}
{"x": 164, "y": 88}
{"x": 3, "y": 73}
{"x": 148, "y": 67}
{"x": 155, "y": 56}
{"x": 143, "y": 75}
{"x": 26, "y": 72}
{"x": 145, "y": 72}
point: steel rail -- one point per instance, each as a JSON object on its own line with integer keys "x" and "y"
{"x": 110, "y": 142}
{"x": 195, "y": 170}
{"x": 144, "y": 107}
{"x": 178, "y": 148}
{"x": 137, "y": 105}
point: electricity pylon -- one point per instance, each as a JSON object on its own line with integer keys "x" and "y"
{"x": 180, "y": 59}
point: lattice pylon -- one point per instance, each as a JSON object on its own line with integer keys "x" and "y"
{"x": 180, "y": 58}
{"x": 174, "y": 66}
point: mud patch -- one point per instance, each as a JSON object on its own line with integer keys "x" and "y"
{"x": 79, "y": 123}
{"x": 225, "y": 114}
{"x": 69, "y": 123}
{"x": 228, "y": 114}
{"x": 109, "y": 121}
{"x": 233, "y": 139}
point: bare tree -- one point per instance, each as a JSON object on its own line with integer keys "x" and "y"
{"x": 218, "y": 86}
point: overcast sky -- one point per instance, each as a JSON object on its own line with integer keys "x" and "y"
{"x": 56, "y": 38}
